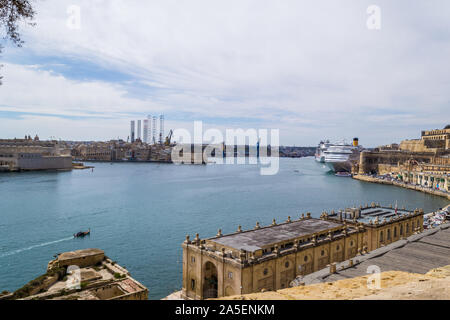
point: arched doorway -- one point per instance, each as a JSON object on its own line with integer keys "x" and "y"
{"x": 210, "y": 281}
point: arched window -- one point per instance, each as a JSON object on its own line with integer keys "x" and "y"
{"x": 407, "y": 228}
{"x": 395, "y": 232}
{"x": 389, "y": 234}
{"x": 401, "y": 229}
{"x": 381, "y": 236}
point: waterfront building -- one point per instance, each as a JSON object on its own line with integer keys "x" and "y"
{"x": 119, "y": 150}
{"x": 436, "y": 141}
{"x": 430, "y": 180}
{"x": 269, "y": 258}
{"x": 382, "y": 225}
{"x": 28, "y": 154}
{"x": 432, "y": 149}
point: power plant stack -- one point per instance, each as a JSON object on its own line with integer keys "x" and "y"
{"x": 132, "y": 134}
{"x": 146, "y": 132}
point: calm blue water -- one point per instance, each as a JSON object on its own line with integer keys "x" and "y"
{"x": 140, "y": 213}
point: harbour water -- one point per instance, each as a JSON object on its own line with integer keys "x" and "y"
{"x": 140, "y": 213}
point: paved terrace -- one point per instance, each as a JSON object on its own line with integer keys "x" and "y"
{"x": 260, "y": 238}
{"x": 417, "y": 254}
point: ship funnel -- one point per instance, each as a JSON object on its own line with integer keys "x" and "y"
{"x": 355, "y": 142}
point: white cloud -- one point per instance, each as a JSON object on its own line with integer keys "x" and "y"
{"x": 291, "y": 64}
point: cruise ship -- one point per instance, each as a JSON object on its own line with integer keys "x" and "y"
{"x": 320, "y": 151}
{"x": 340, "y": 157}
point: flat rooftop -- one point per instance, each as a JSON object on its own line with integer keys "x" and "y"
{"x": 370, "y": 214}
{"x": 258, "y": 239}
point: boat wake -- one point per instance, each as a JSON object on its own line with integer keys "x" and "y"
{"x": 2, "y": 255}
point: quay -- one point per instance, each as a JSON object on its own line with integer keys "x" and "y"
{"x": 419, "y": 164}
{"x": 440, "y": 193}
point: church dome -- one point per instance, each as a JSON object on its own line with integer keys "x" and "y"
{"x": 447, "y": 126}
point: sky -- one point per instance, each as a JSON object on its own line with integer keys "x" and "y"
{"x": 312, "y": 69}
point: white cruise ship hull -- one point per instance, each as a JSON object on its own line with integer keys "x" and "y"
{"x": 340, "y": 158}
{"x": 340, "y": 166}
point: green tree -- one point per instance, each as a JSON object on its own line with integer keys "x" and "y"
{"x": 11, "y": 13}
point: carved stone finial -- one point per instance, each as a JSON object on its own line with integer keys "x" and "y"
{"x": 257, "y": 225}
{"x": 219, "y": 233}
{"x": 274, "y": 222}
{"x": 187, "y": 239}
{"x": 330, "y": 235}
{"x": 197, "y": 239}
{"x": 275, "y": 250}
{"x": 289, "y": 219}
{"x": 308, "y": 214}
{"x": 239, "y": 229}
{"x": 242, "y": 255}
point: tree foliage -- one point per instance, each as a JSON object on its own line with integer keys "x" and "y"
{"x": 11, "y": 13}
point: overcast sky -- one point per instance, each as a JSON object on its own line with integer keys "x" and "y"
{"x": 312, "y": 69}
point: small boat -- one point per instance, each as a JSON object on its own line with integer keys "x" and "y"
{"x": 343, "y": 174}
{"x": 82, "y": 234}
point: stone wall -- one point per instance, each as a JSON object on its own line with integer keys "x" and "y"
{"x": 44, "y": 163}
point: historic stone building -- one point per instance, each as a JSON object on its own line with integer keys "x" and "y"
{"x": 382, "y": 225}
{"x": 436, "y": 141}
{"x": 29, "y": 154}
{"x": 432, "y": 148}
{"x": 269, "y": 258}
